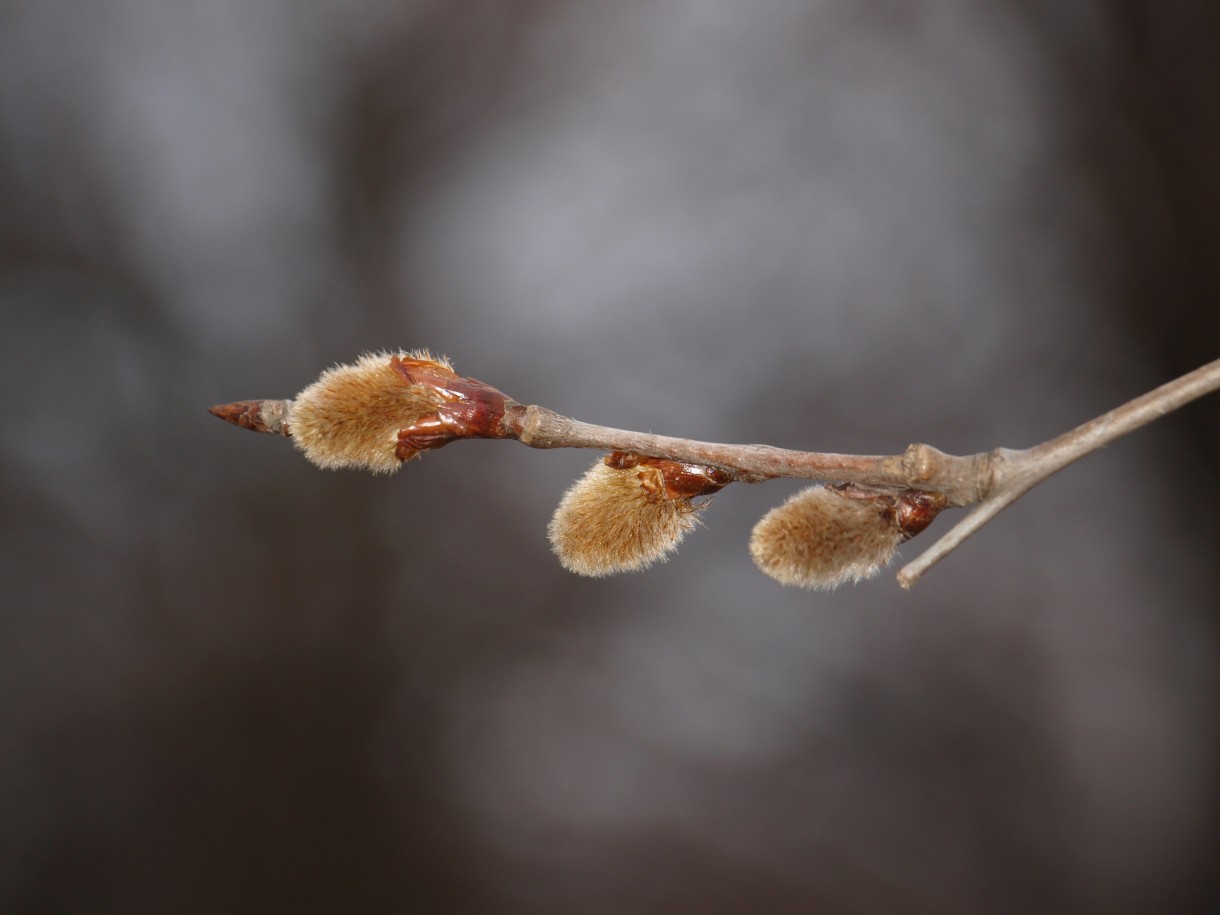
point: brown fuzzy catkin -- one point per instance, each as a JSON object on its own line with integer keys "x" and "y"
{"x": 618, "y": 520}
{"x": 351, "y": 415}
{"x": 821, "y": 538}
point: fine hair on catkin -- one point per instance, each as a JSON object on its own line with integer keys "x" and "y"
{"x": 610, "y": 521}
{"x": 822, "y": 538}
{"x": 351, "y": 415}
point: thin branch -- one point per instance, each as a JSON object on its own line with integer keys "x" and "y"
{"x": 920, "y": 467}
{"x": 1014, "y": 473}
{"x": 449, "y": 407}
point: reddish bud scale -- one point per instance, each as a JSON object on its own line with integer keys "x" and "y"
{"x": 673, "y": 481}
{"x": 915, "y": 509}
{"x": 469, "y": 408}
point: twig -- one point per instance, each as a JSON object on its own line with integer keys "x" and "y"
{"x": 447, "y": 407}
{"x": 920, "y": 467}
{"x": 1014, "y": 473}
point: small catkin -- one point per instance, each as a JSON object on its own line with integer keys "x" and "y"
{"x": 821, "y": 538}
{"x": 618, "y": 520}
{"x": 351, "y": 415}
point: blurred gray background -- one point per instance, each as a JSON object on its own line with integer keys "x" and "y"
{"x": 232, "y": 682}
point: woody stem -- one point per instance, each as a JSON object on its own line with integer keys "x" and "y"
{"x": 920, "y": 467}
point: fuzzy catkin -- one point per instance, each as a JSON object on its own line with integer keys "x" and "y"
{"x": 351, "y": 415}
{"x": 821, "y": 538}
{"x": 608, "y": 522}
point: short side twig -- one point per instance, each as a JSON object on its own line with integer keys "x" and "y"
{"x": 1014, "y": 473}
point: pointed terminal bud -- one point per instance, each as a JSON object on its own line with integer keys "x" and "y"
{"x": 269, "y": 416}
{"x": 628, "y": 512}
{"x": 387, "y": 408}
{"x": 825, "y": 536}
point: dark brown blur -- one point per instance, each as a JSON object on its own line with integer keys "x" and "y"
{"x": 232, "y": 682}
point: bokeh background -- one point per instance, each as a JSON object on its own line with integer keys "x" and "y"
{"x": 232, "y": 682}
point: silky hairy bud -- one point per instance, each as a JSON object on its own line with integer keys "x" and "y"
{"x": 351, "y": 416}
{"x": 826, "y": 536}
{"x": 628, "y": 512}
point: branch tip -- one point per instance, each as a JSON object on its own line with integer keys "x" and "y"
{"x": 269, "y": 416}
